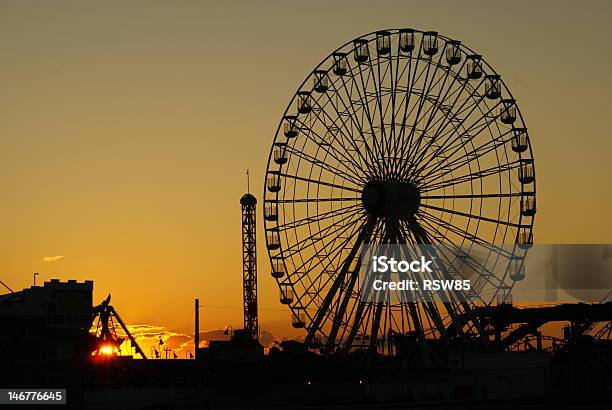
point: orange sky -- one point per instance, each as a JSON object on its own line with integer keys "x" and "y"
{"x": 125, "y": 131}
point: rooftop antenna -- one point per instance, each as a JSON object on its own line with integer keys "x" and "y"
{"x": 248, "y": 182}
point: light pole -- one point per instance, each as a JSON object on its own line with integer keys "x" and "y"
{"x": 229, "y": 330}
{"x": 196, "y": 336}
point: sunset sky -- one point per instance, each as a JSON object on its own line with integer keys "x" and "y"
{"x": 126, "y": 129}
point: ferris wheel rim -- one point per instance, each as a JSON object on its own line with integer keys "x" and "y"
{"x": 309, "y": 77}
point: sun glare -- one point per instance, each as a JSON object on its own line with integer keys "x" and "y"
{"x": 107, "y": 350}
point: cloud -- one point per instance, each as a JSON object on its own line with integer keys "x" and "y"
{"x": 148, "y": 336}
{"x": 52, "y": 258}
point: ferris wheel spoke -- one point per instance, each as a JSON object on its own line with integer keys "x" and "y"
{"x": 316, "y": 200}
{"x": 343, "y": 156}
{"x": 419, "y": 107}
{"x": 318, "y": 244}
{"x": 457, "y": 123}
{"x": 351, "y": 135}
{"x": 467, "y": 103}
{"x": 362, "y": 99}
{"x": 400, "y": 109}
{"x": 434, "y": 223}
{"x": 326, "y": 166}
{"x": 405, "y": 103}
{"x": 318, "y": 182}
{"x": 476, "y": 196}
{"x": 438, "y": 106}
{"x": 440, "y": 99}
{"x": 320, "y": 235}
{"x": 426, "y": 89}
{"x": 489, "y": 146}
{"x": 352, "y": 148}
{"x": 347, "y": 212}
{"x": 471, "y": 216}
{"x": 411, "y": 81}
{"x": 406, "y": 141}
{"x": 451, "y": 117}
{"x": 340, "y": 235}
{"x": 316, "y": 218}
{"x": 434, "y": 103}
{"x": 435, "y": 183}
{"x": 391, "y": 160}
{"x": 332, "y": 151}
{"x": 461, "y": 232}
{"x": 394, "y": 91}
{"x": 366, "y": 110}
{"x": 406, "y": 146}
{"x": 467, "y": 136}
{"x": 353, "y": 114}
{"x": 378, "y": 83}
{"x": 484, "y": 120}
{"x": 305, "y": 272}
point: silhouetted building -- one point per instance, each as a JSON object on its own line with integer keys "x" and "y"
{"x": 44, "y": 332}
{"x": 241, "y": 348}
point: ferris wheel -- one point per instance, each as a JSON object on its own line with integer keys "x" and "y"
{"x": 397, "y": 137}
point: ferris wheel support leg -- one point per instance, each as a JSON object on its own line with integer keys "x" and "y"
{"x": 356, "y": 325}
{"x": 331, "y": 339}
{"x": 380, "y": 304}
{"x": 427, "y": 353}
{"x": 321, "y": 313}
{"x": 413, "y": 308}
{"x": 358, "y": 317}
{"x": 429, "y": 307}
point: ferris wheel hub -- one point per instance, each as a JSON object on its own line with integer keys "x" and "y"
{"x": 385, "y": 198}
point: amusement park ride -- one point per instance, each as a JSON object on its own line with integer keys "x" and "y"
{"x": 107, "y": 342}
{"x": 406, "y": 137}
